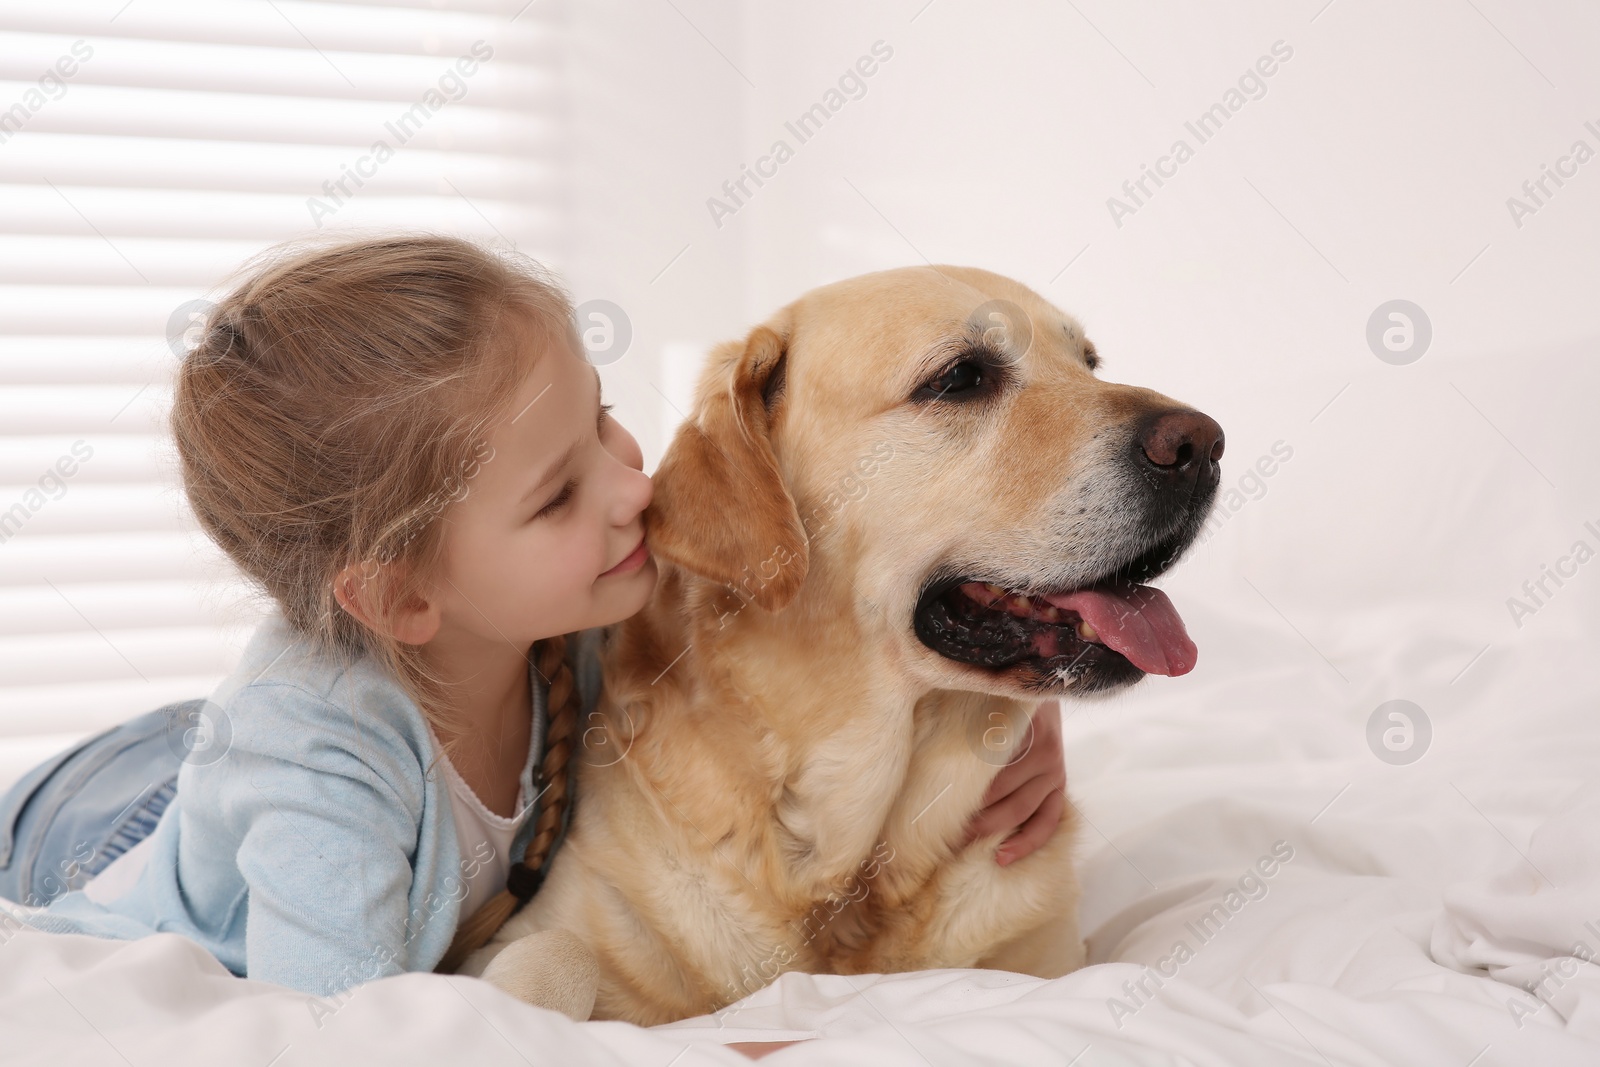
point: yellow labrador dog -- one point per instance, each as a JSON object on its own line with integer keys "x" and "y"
{"x": 904, "y": 509}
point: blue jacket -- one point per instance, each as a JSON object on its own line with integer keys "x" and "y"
{"x": 319, "y": 850}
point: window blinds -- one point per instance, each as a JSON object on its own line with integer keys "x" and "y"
{"x": 146, "y": 150}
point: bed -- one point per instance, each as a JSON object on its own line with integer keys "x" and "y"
{"x": 1347, "y": 886}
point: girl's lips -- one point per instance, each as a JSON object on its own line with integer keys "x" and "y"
{"x": 631, "y": 562}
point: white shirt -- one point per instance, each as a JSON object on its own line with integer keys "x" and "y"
{"x": 485, "y": 839}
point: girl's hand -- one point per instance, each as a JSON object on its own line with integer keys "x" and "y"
{"x": 1028, "y": 795}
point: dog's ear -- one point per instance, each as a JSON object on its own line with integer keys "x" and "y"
{"x": 720, "y": 509}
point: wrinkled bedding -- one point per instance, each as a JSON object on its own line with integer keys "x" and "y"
{"x": 1276, "y": 870}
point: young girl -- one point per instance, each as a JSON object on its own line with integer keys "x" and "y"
{"x": 399, "y": 440}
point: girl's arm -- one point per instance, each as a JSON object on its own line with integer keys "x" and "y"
{"x": 1028, "y": 795}
{"x": 321, "y": 822}
{"x": 325, "y": 861}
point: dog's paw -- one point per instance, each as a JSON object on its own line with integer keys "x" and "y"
{"x": 550, "y": 969}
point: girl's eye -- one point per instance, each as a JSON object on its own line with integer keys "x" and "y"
{"x": 559, "y": 502}
{"x": 605, "y": 411}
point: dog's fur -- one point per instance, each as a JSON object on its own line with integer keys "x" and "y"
{"x": 780, "y": 772}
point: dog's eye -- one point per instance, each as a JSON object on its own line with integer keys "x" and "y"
{"x": 962, "y": 376}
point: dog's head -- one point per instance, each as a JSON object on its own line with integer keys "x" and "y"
{"x": 928, "y": 454}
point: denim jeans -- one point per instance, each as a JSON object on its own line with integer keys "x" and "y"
{"x": 64, "y": 821}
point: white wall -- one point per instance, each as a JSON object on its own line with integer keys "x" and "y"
{"x": 1376, "y": 166}
{"x": 651, "y": 115}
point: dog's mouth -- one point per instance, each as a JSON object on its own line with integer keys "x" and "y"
{"x": 1103, "y": 634}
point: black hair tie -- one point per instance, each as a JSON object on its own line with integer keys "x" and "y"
{"x": 523, "y": 881}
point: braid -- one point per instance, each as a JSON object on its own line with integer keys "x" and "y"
{"x": 523, "y": 881}
{"x": 563, "y": 719}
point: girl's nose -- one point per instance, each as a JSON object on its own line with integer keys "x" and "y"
{"x": 644, "y": 489}
{"x": 634, "y": 488}
{"x": 632, "y": 491}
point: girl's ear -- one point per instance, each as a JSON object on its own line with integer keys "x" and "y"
{"x": 721, "y": 510}
{"x": 366, "y": 591}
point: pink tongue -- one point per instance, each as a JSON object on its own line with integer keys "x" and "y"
{"x": 1137, "y": 621}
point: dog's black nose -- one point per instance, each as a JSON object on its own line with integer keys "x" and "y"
{"x": 1181, "y": 446}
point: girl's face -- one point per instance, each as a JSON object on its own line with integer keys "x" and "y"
{"x": 549, "y": 537}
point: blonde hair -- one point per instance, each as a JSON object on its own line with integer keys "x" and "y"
{"x": 336, "y": 405}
